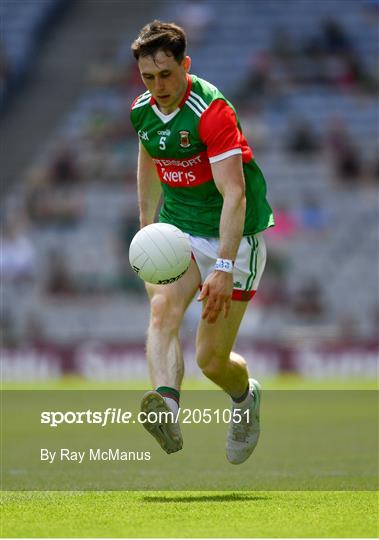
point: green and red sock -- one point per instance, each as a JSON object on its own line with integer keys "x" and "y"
{"x": 171, "y": 395}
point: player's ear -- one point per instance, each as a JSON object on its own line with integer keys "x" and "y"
{"x": 187, "y": 63}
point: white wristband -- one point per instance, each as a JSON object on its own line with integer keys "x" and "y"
{"x": 225, "y": 265}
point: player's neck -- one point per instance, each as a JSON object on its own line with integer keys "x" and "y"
{"x": 168, "y": 110}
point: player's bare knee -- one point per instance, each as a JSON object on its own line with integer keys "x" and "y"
{"x": 211, "y": 362}
{"x": 215, "y": 371}
{"x": 164, "y": 313}
{"x": 211, "y": 371}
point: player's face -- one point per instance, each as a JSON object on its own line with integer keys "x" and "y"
{"x": 165, "y": 79}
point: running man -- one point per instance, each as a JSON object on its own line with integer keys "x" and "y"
{"x": 193, "y": 152}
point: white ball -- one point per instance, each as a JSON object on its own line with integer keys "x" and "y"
{"x": 160, "y": 253}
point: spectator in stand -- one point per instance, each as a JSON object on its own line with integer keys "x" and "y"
{"x": 312, "y": 216}
{"x": 18, "y": 257}
{"x": 286, "y": 225}
{"x": 370, "y": 174}
{"x": 59, "y": 280}
{"x": 5, "y": 72}
{"x": 274, "y": 291}
{"x": 196, "y": 17}
{"x": 128, "y": 226}
{"x": 98, "y": 125}
{"x": 348, "y": 166}
{"x": 308, "y": 303}
{"x": 334, "y": 39}
{"x": 133, "y": 81}
{"x": 255, "y": 127}
{"x": 357, "y": 76}
{"x": 333, "y": 60}
{"x": 301, "y": 139}
{"x": 34, "y": 330}
{"x": 278, "y": 238}
{"x": 47, "y": 205}
{"x": 258, "y": 85}
{"x": 8, "y": 328}
{"x": 64, "y": 167}
{"x": 347, "y": 328}
{"x": 374, "y": 169}
{"x": 346, "y": 160}
{"x": 282, "y": 45}
{"x": 284, "y": 60}
{"x": 105, "y": 71}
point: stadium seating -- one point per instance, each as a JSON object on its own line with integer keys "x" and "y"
{"x": 23, "y": 24}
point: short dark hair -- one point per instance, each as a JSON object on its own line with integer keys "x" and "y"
{"x": 160, "y": 36}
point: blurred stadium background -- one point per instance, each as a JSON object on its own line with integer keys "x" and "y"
{"x": 303, "y": 76}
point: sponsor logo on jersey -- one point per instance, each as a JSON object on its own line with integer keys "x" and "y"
{"x": 184, "y": 139}
{"x": 178, "y": 162}
{"x": 184, "y": 172}
{"x": 175, "y": 177}
{"x": 164, "y": 132}
{"x": 143, "y": 135}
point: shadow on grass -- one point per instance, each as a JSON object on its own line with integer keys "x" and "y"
{"x": 230, "y": 497}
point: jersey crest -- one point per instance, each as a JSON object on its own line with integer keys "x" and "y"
{"x": 184, "y": 138}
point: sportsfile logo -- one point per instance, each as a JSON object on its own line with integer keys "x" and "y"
{"x": 103, "y": 418}
{"x": 114, "y": 415}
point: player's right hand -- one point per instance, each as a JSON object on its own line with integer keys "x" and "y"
{"x": 217, "y": 291}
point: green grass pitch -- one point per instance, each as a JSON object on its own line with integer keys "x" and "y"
{"x": 192, "y": 514}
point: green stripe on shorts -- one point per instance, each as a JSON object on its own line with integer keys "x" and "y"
{"x": 253, "y": 242}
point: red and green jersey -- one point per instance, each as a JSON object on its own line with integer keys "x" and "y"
{"x": 203, "y": 129}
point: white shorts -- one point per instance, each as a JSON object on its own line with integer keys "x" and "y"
{"x": 248, "y": 266}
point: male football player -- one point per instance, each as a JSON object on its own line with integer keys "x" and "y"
{"x": 193, "y": 152}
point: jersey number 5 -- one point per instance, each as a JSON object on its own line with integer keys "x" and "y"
{"x": 162, "y": 143}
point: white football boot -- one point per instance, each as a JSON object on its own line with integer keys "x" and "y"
{"x": 243, "y": 435}
{"x": 165, "y": 431}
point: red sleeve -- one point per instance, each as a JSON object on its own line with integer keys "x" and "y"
{"x": 219, "y": 131}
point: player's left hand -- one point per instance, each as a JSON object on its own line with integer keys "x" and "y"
{"x": 217, "y": 290}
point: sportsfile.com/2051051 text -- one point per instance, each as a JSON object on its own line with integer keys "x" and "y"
{"x": 119, "y": 416}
